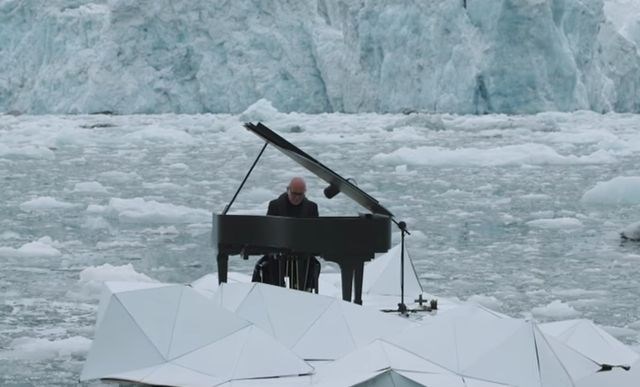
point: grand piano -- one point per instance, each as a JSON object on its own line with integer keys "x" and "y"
{"x": 348, "y": 241}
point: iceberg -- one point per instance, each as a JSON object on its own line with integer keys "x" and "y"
{"x": 473, "y": 56}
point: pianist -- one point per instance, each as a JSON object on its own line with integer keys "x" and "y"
{"x": 303, "y": 271}
{"x": 293, "y": 203}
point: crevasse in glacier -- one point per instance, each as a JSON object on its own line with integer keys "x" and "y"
{"x": 473, "y": 56}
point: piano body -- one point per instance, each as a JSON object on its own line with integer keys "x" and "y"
{"x": 348, "y": 241}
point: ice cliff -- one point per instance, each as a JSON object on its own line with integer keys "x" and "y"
{"x": 462, "y": 56}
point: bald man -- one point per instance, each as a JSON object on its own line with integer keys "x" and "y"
{"x": 303, "y": 271}
{"x": 293, "y": 202}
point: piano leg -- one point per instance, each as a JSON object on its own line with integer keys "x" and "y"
{"x": 223, "y": 267}
{"x": 357, "y": 279}
{"x": 346, "y": 274}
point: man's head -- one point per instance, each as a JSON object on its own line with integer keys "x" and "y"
{"x": 296, "y": 190}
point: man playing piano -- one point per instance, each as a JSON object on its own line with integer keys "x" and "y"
{"x": 303, "y": 271}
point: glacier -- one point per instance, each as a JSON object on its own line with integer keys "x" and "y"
{"x": 314, "y": 56}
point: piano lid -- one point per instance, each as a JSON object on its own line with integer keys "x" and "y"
{"x": 318, "y": 169}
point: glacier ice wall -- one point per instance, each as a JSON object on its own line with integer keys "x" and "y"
{"x": 459, "y": 56}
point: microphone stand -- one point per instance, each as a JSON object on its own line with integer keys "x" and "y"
{"x": 402, "y": 308}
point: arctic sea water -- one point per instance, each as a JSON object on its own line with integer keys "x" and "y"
{"x": 519, "y": 213}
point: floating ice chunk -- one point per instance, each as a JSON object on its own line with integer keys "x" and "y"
{"x": 30, "y": 348}
{"x": 160, "y": 134}
{"x": 555, "y": 310}
{"x": 89, "y": 187}
{"x": 96, "y": 223}
{"x": 262, "y": 110}
{"x": 42, "y": 248}
{"x": 32, "y": 152}
{"x": 118, "y": 244}
{"x": 619, "y": 190}
{"x": 164, "y": 186}
{"x": 631, "y": 232}
{"x": 92, "y": 278}
{"x": 529, "y": 154}
{"x": 555, "y": 223}
{"x": 45, "y": 203}
{"x": 138, "y": 210}
{"x": 109, "y": 272}
{"x": 9, "y": 235}
{"x": 119, "y": 176}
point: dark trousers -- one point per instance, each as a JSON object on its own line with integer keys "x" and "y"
{"x": 303, "y": 271}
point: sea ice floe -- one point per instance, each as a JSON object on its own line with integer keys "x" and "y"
{"x": 520, "y": 154}
{"x": 619, "y": 190}
{"x": 45, "y": 203}
{"x": 555, "y": 310}
{"x": 139, "y": 210}
{"x": 89, "y": 187}
{"x": 42, "y": 248}
{"x": 556, "y": 223}
{"x": 31, "y": 348}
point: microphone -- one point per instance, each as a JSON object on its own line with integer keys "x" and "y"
{"x": 331, "y": 191}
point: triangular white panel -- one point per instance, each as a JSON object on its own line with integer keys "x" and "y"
{"x": 175, "y": 375}
{"x": 433, "y": 380}
{"x": 327, "y": 379}
{"x": 435, "y": 342}
{"x": 231, "y": 295}
{"x": 366, "y": 324}
{"x": 617, "y": 377}
{"x": 382, "y": 275}
{"x": 256, "y": 311}
{"x": 470, "y": 311}
{"x": 290, "y": 312}
{"x": 199, "y": 321}
{"x": 552, "y": 371}
{"x": 217, "y": 359}
{"x": 154, "y": 310}
{"x": 592, "y": 341}
{"x": 514, "y": 361}
{"x": 475, "y": 339}
{"x": 380, "y": 355}
{"x": 401, "y": 359}
{"x": 128, "y": 286}
{"x": 328, "y": 337}
{"x": 112, "y": 287}
{"x": 471, "y": 382}
{"x": 119, "y": 346}
{"x": 285, "y": 381}
{"x": 392, "y": 378}
{"x": 134, "y": 376}
{"x": 577, "y": 365}
{"x": 262, "y": 356}
{"x": 248, "y": 353}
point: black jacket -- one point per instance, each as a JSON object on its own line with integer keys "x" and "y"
{"x": 283, "y": 207}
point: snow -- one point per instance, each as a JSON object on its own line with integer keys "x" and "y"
{"x": 75, "y": 56}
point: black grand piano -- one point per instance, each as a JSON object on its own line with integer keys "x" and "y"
{"x": 348, "y": 241}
